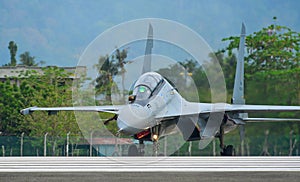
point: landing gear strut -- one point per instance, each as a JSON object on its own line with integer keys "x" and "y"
{"x": 155, "y": 137}
{"x": 141, "y": 148}
{"x": 155, "y": 148}
{"x": 225, "y": 150}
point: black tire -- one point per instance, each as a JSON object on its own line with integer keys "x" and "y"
{"x": 133, "y": 150}
{"x": 228, "y": 151}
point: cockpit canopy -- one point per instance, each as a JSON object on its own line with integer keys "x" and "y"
{"x": 145, "y": 85}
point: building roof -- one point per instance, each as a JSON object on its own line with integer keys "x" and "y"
{"x": 105, "y": 141}
{"x": 14, "y": 71}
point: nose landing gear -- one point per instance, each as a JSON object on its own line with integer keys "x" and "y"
{"x": 133, "y": 150}
{"x": 155, "y": 137}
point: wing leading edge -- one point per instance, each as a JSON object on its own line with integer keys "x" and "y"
{"x": 261, "y": 108}
{"x": 110, "y": 109}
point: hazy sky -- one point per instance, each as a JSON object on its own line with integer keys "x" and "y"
{"x": 58, "y": 31}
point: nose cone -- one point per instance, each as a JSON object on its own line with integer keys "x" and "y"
{"x": 133, "y": 118}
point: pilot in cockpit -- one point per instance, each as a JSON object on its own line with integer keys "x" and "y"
{"x": 144, "y": 86}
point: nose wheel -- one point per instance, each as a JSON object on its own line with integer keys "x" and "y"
{"x": 133, "y": 150}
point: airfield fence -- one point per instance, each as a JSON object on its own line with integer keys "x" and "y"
{"x": 273, "y": 145}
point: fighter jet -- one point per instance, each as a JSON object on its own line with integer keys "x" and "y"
{"x": 155, "y": 108}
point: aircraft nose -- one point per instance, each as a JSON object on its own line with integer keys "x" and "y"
{"x": 133, "y": 118}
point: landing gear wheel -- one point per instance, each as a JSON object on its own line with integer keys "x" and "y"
{"x": 228, "y": 151}
{"x": 133, "y": 150}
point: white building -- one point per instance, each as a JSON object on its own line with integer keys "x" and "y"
{"x": 12, "y": 72}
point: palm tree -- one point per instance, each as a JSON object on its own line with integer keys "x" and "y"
{"x": 106, "y": 70}
{"x": 121, "y": 56}
{"x": 13, "y": 51}
{"x": 108, "y": 67}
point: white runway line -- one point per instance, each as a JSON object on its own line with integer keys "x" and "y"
{"x": 148, "y": 164}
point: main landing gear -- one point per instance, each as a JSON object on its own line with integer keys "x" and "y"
{"x": 225, "y": 150}
{"x": 228, "y": 151}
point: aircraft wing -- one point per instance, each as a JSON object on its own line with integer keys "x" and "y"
{"x": 190, "y": 108}
{"x": 261, "y": 108}
{"x": 213, "y": 125}
{"x": 52, "y": 110}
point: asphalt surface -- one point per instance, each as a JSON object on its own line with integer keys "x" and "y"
{"x": 150, "y": 169}
{"x": 157, "y": 176}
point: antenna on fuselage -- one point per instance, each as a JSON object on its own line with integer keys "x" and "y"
{"x": 148, "y": 51}
{"x": 238, "y": 89}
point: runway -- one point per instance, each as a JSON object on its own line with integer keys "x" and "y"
{"x": 149, "y": 177}
{"x": 167, "y": 169}
{"x": 149, "y": 164}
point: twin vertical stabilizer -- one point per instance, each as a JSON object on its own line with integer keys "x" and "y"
{"x": 148, "y": 51}
{"x": 238, "y": 89}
